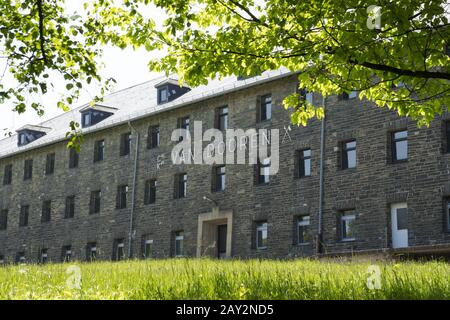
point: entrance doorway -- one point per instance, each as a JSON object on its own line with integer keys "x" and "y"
{"x": 221, "y": 241}
{"x": 399, "y": 225}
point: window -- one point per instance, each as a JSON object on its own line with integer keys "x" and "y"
{"x": 91, "y": 251}
{"x": 125, "y": 144}
{"x": 121, "y": 199}
{"x": 94, "y": 204}
{"x": 153, "y": 137}
{"x": 348, "y": 96}
{"x": 179, "y": 239}
{"x": 263, "y": 171}
{"x": 303, "y": 235}
{"x": 447, "y": 136}
{"x": 3, "y": 219}
{"x": 181, "y": 185}
{"x": 73, "y": 158}
{"x": 147, "y": 248}
{"x": 261, "y": 235}
{"x": 99, "y": 150}
{"x": 119, "y": 250}
{"x": 44, "y": 256}
{"x": 70, "y": 207}
{"x": 90, "y": 117}
{"x": 23, "y": 217}
{"x": 27, "y": 136}
{"x": 183, "y": 123}
{"x": 304, "y": 163}
{"x": 265, "y": 111}
{"x": 150, "y": 192}
{"x": 7, "y": 176}
{"x": 46, "y": 211}
{"x": 28, "y": 169}
{"x": 2, "y": 259}
{"x": 163, "y": 95}
{"x": 66, "y": 253}
{"x": 305, "y": 95}
{"x": 50, "y": 164}
{"x": 86, "y": 119}
{"x": 347, "y": 225}
{"x": 447, "y": 216}
{"x": 348, "y": 154}
{"x": 399, "y": 145}
{"x": 222, "y": 118}
{"x": 219, "y": 178}
{"x": 20, "y": 257}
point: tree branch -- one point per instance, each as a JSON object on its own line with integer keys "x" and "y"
{"x": 41, "y": 29}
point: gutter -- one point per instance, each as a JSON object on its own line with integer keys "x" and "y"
{"x": 133, "y": 191}
{"x": 319, "y": 245}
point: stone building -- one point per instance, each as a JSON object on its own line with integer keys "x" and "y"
{"x": 368, "y": 182}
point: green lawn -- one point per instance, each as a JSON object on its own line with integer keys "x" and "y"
{"x": 211, "y": 279}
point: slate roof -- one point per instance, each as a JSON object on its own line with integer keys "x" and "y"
{"x": 134, "y": 103}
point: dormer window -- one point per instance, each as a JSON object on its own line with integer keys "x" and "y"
{"x": 95, "y": 114}
{"x": 169, "y": 90}
{"x": 29, "y": 133}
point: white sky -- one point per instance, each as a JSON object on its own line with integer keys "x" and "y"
{"x": 128, "y": 67}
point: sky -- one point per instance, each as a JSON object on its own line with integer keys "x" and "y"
{"x": 128, "y": 67}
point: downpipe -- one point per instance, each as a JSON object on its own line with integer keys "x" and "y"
{"x": 133, "y": 191}
{"x": 319, "y": 244}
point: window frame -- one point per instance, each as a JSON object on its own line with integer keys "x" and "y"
{"x": 147, "y": 254}
{"x": 160, "y": 90}
{"x": 7, "y": 174}
{"x": 179, "y": 238}
{"x": 261, "y": 226}
{"x": 74, "y": 158}
{"x": 265, "y": 104}
{"x": 91, "y": 251}
{"x": 95, "y": 202}
{"x": 221, "y": 115}
{"x": 4, "y": 219}
{"x": 394, "y": 142}
{"x": 345, "y": 150}
{"x": 263, "y": 179}
{"x": 69, "y": 210}
{"x": 24, "y": 215}
{"x": 345, "y": 217}
{"x": 303, "y": 221}
{"x": 181, "y": 184}
{"x": 153, "y": 137}
{"x": 219, "y": 178}
{"x": 28, "y": 169}
{"x": 122, "y": 196}
{"x": 125, "y": 144}
{"x": 302, "y": 161}
{"x": 50, "y": 163}
{"x": 46, "y": 214}
{"x": 150, "y": 191}
{"x": 99, "y": 150}
{"x": 66, "y": 251}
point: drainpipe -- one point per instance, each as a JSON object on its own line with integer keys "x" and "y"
{"x": 133, "y": 191}
{"x": 321, "y": 188}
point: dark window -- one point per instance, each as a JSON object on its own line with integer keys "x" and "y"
{"x": 303, "y": 235}
{"x": 179, "y": 244}
{"x": 347, "y": 222}
{"x": 163, "y": 95}
{"x": 73, "y": 158}
{"x": 304, "y": 163}
{"x": 222, "y": 118}
{"x": 305, "y": 95}
{"x": 46, "y": 211}
{"x": 348, "y": 96}
{"x": 447, "y": 136}
{"x": 348, "y": 154}
{"x": 265, "y": 110}
{"x": 70, "y": 207}
{"x": 263, "y": 173}
{"x": 183, "y": 123}
{"x": 99, "y": 150}
{"x": 91, "y": 251}
{"x": 28, "y": 169}
{"x": 147, "y": 247}
{"x": 399, "y": 145}
{"x": 261, "y": 235}
{"x": 447, "y": 216}
{"x": 219, "y": 178}
{"x": 7, "y": 176}
{"x": 44, "y": 256}
{"x": 150, "y": 192}
{"x": 20, "y": 257}
{"x": 50, "y": 164}
{"x": 153, "y": 137}
{"x": 121, "y": 199}
{"x": 66, "y": 253}
{"x": 2, "y": 259}
{"x": 180, "y": 185}
{"x": 3, "y": 219}
{"x": 86, "y": 119}
{"x": 118, "y": 250}
{"x": 94, "y": 204}
{"x": 125, "y": 144}
{"x": 402, "y": 218}
{"x": 23, "y": 218}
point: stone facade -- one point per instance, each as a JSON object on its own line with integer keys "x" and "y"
{"x": 369, "y": 189}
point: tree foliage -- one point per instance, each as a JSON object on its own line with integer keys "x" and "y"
{"x": 335, "y": 46}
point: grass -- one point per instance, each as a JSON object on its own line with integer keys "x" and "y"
{"x": 235, "y": 279}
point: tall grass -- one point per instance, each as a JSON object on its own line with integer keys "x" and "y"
{"x": 235, "y": 279}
